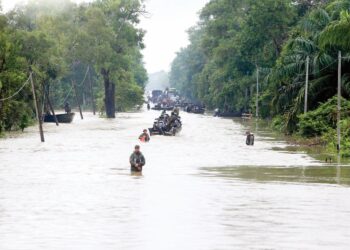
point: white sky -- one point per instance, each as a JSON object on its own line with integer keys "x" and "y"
{"x": 166, "y": 28}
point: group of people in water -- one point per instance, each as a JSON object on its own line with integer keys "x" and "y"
{"x": 137, "y": 159}
{"x": 162, "y": 124}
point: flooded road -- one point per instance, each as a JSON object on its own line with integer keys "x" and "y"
{"x": 201, "y": 190}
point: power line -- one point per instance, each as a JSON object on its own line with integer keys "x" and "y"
{"x": 319, "y": 71}
{"x": 18, "y": 91}
{"x": 87, "y": 71}
{"x": 79, "y": 85}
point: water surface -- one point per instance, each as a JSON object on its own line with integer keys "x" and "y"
{"x": 201, "y": 190}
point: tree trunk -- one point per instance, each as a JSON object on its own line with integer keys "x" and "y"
{"x": 109, "y": 94}
{"x": 92, "y": 95}
{"x": 48, "y": 101}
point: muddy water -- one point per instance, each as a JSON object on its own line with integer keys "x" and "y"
{"x": 201, "y": 190}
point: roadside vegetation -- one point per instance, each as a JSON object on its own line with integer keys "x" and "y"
{"x": 236, "y": 40}
{"x": 97, "y": 45}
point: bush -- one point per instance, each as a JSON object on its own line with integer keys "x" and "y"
{"x": 321, "y": 120}
{"x": 15, "y": 115}
{"x": 279, "y": 123}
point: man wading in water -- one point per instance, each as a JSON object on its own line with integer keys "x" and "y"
{"x": 137, "y": 160}
{"x": 250, "y": 139}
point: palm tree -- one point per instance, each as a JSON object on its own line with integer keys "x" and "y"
{"x": 337, "y": 33}
{"x": 288, "y": 77}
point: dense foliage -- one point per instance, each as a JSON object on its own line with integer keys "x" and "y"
{"x": 236, "y": 39}
{"x": 59, "y": 41}
{"x": 322, "y": 119}
{"x": 322, "y": 123}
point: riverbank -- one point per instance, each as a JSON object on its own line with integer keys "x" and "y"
{"x": 317, "y": 147}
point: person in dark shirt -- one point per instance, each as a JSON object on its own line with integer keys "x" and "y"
{"x": 250, "y": 139}
{"x": 137, "y": 160}
{"x": 67, "y": 108}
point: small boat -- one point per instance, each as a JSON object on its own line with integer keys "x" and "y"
{"x": 160, "y": 108}
{"x": 159, "y": 128}
{"x": 227, "y": 114}
{"x": 62, "y": 118}
{"x": 246, "y": 116}
{"x": 195, "y": 109}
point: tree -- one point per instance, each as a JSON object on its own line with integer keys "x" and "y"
{"x": 59, "y": 41}
{"x": 231, "y": 40}
{"x": 115, "y": 43}
{"x": 337, "y": 33}
{"x": 234, "y": 38}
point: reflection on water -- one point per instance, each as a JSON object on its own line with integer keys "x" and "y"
{"x": 321, "y": 174}
{"x": 76, "y": 190}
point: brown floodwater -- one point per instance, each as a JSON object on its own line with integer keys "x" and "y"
{"x": 203, "y": 189}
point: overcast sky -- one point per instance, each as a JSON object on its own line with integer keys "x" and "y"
{"x": 166, "y": 28}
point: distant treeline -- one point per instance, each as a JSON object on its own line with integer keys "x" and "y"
{"x": 235, "y": 39}
{"x": 62, "y": 42}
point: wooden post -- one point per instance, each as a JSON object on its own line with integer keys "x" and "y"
{"x": 246, "y": 100}
{"x": 339, "y": 102}
{"x": 257, "y": 91}
{"x": 306, "y": 84}
{"x": 38, "y": 115}
{"x": 50, "y": 105}
{"x": 77, "y": 100}
{"x": 92, "y": 94}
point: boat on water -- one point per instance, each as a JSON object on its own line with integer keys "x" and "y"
{"x": 199, "y": 111}
{"x": 164, "y": 126}
{"x": 247, "y": 116}
{"x": 195, "y": 109}
{"x": 159, "y": 107}
{"x": 227, "y": 114}
{"x": 62, "y": 118}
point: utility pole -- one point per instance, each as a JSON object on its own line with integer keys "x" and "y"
{"x": 77, "y": 100}
{"x": 38, "y": 113}
{"x": 257, "y": 91}
{"x": 47, "y": 94}
{"x": 92, "y": 94}
{"x": 246, "y": 100}
{"x": 307, "y": 84}
{"x": 339, "y": 100}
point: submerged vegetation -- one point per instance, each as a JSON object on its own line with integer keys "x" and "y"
{"x": 96, "y": 45}
{"x": 237, "y": 42}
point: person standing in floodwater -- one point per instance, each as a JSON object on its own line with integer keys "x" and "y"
{"x": 137, "y": 160}
{"x": 250, "y": 139}
{"x": 144, "y": 137}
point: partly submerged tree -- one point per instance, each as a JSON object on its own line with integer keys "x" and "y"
{"x": 234, "y": 38}
{"x": 58, "y": 41}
